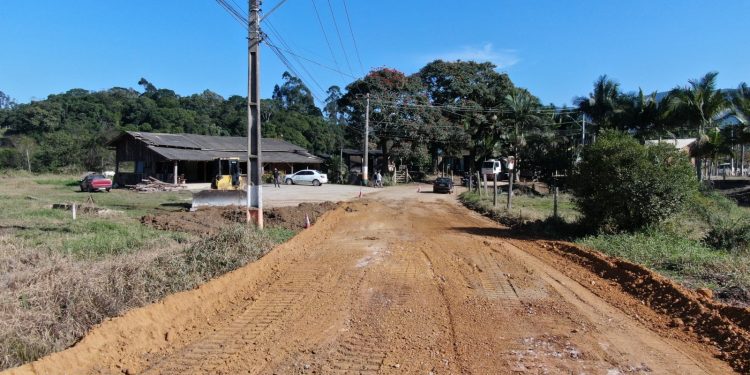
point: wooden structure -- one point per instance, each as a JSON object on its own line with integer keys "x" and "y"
{"x": 190, "y": 158}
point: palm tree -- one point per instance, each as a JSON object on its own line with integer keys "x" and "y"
{"x": 603, "y": 104}
{"x": 522, "y": 119}
{"x": 642, "y": 113}
{"x": 698, "y": 105}
{"x": 741, "y": 109}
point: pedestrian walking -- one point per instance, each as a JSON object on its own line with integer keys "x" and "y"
{"x": 276, "y": 178}
{"x": 378, "y": 179}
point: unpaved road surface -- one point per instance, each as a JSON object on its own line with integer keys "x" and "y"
{"x": 398, "y": 283}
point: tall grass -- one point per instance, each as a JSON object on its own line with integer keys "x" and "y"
{"x": 50, "y": 299}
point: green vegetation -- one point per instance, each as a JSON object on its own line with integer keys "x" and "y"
{"x": 525, "y": 207}
{"x": 683, "y": 259}
{"x": 60, "y": 277}
{"x": 623, "y": 185}
{"x": 68, "y": 132}
{"x": 80, "y": 293}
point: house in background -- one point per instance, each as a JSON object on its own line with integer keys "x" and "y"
{"x": 683, "y": 144}
{"x": 139, "y": 155}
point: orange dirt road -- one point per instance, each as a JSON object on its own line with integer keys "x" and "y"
{"x": 396, "y": 283}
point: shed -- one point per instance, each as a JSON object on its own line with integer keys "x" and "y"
{"x": 139, "y": 155}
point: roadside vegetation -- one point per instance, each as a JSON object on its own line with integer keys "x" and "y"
{"x": 642, "y": 204}
{"x": 59, "y": 277}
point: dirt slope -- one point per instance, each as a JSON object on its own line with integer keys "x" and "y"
{"x": 389, "y": 285}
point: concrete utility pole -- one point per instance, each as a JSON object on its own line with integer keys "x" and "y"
{"x": 510, "y": 190}
{"x": 254, "y": 157}
{"x": 583, "y": 131}
{"x": 365, "y": 175}
{"x": 494, "y": 195}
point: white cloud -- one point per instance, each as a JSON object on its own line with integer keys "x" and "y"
{"x": 503, "y": 58}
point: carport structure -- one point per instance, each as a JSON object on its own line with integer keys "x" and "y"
{"x": 191, "y": 157}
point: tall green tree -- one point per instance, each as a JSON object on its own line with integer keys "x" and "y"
{"x": 699, "y": 105}
{"x": 603, "y": 104}
{"x": 399, "y": 111}
{"x": 466, "y": 92}
{"x": 643, "y": 115}
{"x": 522, "y": 120}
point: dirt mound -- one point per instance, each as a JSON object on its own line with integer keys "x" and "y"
{"x": 727, "y": 327}
{"x": 211, "y": 220}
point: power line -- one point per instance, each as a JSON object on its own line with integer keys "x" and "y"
{"x": 341, "y": 41}
{"x": 239, "y": 16}
{"x": 292, "y": 69}
{"x": 351, "y": 31}
{"x": 325, "y": 35}
{"x": 236, "y": 14}
{"x": 283, "y": 42}
{"x": 318, "y": 63}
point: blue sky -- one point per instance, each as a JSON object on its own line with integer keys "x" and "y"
{"x": 556, "y": 49}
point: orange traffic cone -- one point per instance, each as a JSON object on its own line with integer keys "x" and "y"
{"x": 307, "y": 221}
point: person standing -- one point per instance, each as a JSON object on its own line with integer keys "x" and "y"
{"x": 378, "y": 179}
{"x": 276, "y": 178}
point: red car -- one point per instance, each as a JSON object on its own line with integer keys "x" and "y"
{"x": 95, "y": 182}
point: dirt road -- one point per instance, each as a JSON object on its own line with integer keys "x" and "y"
{"x": 395, "y": 284}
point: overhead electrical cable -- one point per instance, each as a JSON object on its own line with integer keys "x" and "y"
{"x": 351, "y": 31}
{"x": 341, "y": 41}
{"x": 325, "y": 35}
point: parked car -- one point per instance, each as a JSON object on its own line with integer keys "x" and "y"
{"x": 442, "y": 185}
{"x": 94, "y": 182}
{"x": 306, "y": 177}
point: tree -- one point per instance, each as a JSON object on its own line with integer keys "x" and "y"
{"x": 399, "y": 111}
{"x": 522, "y": 120}
{"x": 6, "y": 102}
{"x": 699, "y": 104}
{"x": 642, "y": 114}
{"x": 465, "y": 91}
{"x": 331, "y": 108}
{"x": 603, "y": 104}
{"x": 293, "y": 95}
{"x": 741, "y": 108}
{"x": 621, "y": 185}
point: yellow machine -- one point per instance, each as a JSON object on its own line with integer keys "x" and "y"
{"x": 228, "y": 176}
{"x": 228, "y": 188}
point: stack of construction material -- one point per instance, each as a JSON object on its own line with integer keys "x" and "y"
{"x": 151, "y": 184}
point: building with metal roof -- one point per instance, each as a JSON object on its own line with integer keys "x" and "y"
{"x": 191, "y": 157}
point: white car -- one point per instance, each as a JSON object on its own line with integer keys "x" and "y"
{"x": 306, "y": 177}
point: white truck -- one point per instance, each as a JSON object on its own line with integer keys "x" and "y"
{"x": 495, "y": 167}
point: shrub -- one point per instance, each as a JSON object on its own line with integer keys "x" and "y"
{"x": 729, "y": 235}
{"x": 621, "y": 185}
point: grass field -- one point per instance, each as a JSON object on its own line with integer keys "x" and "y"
{"x": 526, "y": 207}
{"x": 59, "y": 276}
{"x": 28, "y": 216}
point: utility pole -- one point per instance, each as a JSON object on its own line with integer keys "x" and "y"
{"x": 583, "y": 131}
{"x": 510, "y": 190}
{"x": 494, "y": 195}
{"x": 365, "y": 175}
{"x": 254, "y": 157}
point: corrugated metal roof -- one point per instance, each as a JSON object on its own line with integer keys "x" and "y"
{"x": 211, "y": 142}
{"x": 171, "y": 153}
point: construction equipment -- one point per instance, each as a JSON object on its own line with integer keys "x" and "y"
{"x": 228, "y": 188}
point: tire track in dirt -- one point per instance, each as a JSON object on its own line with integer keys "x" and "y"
{"x": 220, "y": 345}
{"x": 364, "y": 349}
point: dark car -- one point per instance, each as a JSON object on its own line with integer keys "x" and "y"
{"x": 95, "y": 182}
{"x": 442, "y": 185}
